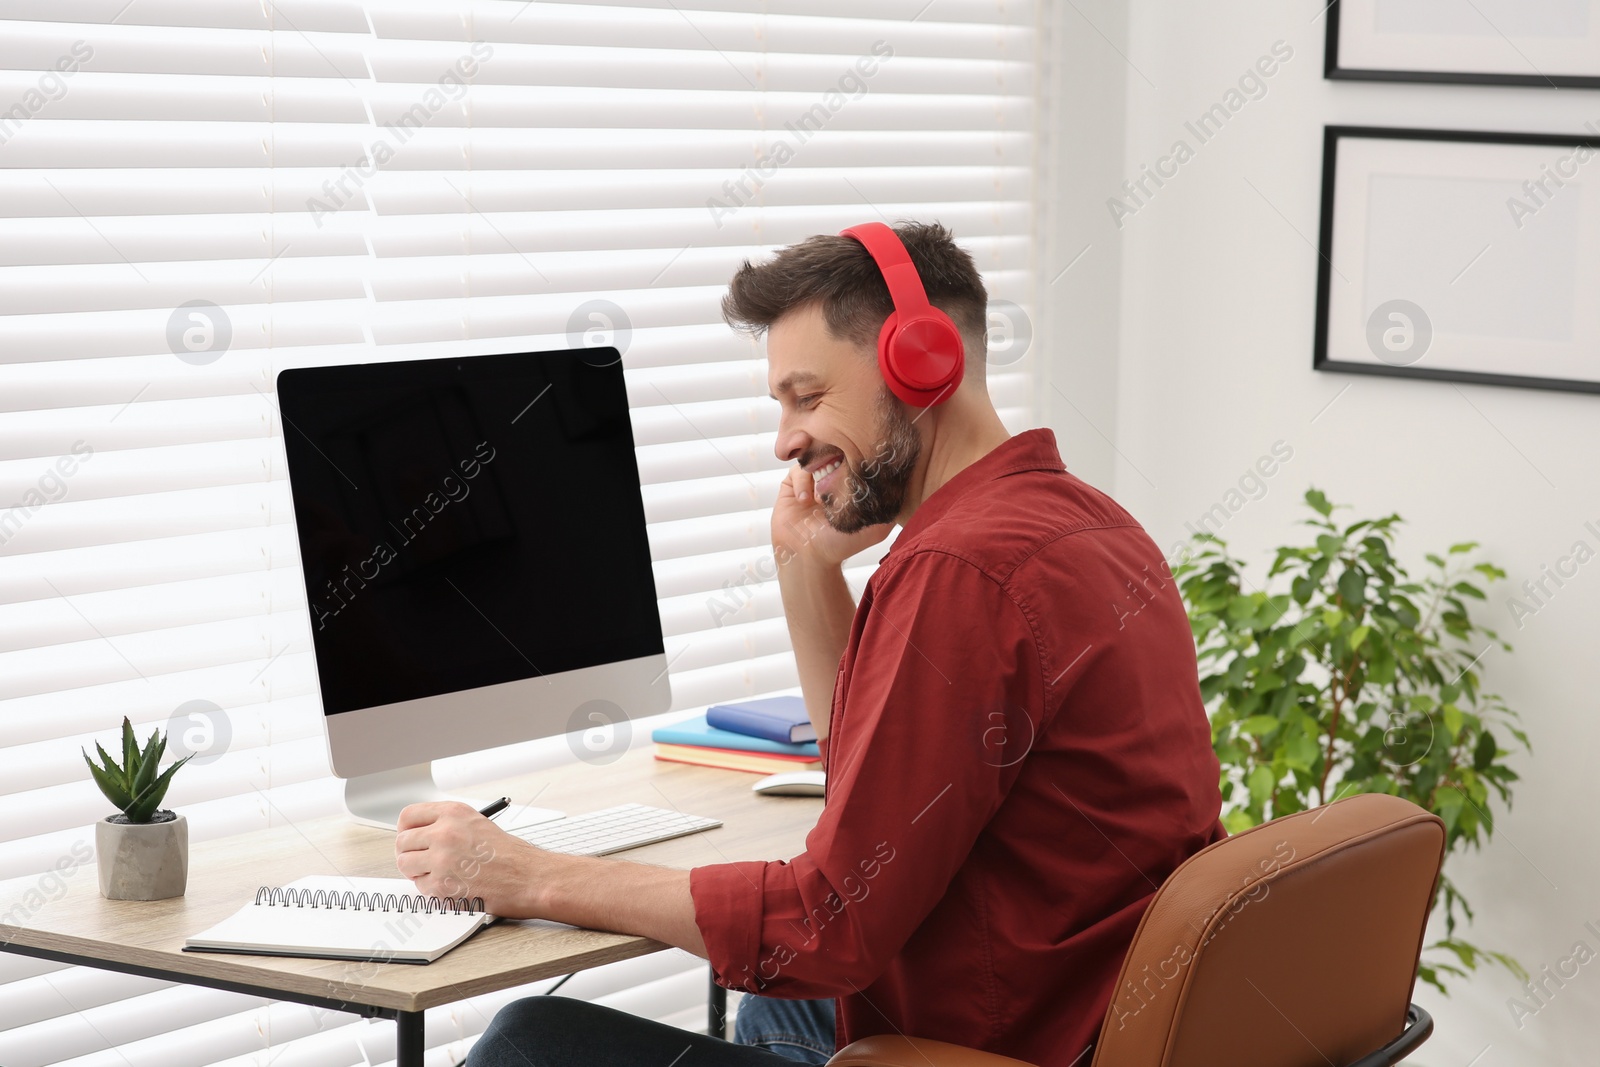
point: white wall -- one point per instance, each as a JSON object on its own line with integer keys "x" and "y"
{"x": 1213, "y": 357}
{"x": 1079, "y": 269}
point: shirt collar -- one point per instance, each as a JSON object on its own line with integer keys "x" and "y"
{"x": 1031, "y": 450}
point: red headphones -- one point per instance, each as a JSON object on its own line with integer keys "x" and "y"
{"x": 919, "y": 349}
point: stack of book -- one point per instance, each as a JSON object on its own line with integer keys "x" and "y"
{"x": 768, "y": 735}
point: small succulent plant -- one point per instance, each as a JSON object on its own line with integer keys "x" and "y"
{"x": 134, "y": 786}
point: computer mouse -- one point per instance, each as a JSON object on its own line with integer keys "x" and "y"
{"x": 791, "y": 784}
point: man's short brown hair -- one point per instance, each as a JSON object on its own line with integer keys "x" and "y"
{"x": 840, "y": 274}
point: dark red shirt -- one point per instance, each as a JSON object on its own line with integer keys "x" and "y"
{"x": 1017, "y": 757}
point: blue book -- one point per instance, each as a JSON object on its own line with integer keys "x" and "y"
{"x": 781, "y": 719}
{"x": 698, "y": 733}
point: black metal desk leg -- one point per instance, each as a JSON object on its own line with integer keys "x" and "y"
{"x": 716, "y": 1009}
{"x": 408, "y": 1042}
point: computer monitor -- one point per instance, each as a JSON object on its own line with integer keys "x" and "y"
{"x": 477, "y": 572}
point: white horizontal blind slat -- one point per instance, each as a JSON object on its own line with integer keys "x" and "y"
{"x": 172, "y": 1010}
{"x": 253, "y": 731}
{"x": 537, "y": 159}
{"x": 49, "y": 997}
{"x": 15, "y": 968}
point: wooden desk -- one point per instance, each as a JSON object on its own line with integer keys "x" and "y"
{"x": 146, "y": 937}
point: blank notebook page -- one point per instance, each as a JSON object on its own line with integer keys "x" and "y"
{"x": 383, "y": 919}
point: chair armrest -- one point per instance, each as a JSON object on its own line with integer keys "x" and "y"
{"x": 894, "y": 1051}
{"x": 1419, "y": 1024}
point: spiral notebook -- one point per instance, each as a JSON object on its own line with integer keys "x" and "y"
{"x": 337, "y": 918}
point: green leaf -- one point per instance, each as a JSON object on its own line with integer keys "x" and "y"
{"x": 147, "y": 802}
{"x": 1483, "y": 754}
{"x": 1468, "y": 589}
{"x": 1358, "y": 636}
{"x": 1452, "y": 721}
{"x": 1237, "y": 821}
{"x": 1428, "y": 974}
{"x": 109, "y": 785}
{"x": 1463, "y": 546}
{"x": 151, "y": 745}
{"x": 1353, "y": 587}
{"x": 130, "y": 749}
{"x": 1449, "y": 803}
{"x": 1261, "y": 782}
{"x": 1258, "y": 725}
{"x": 1509, "y": 963}
{"x": 111, "y": 768}
{"x": 1301, "y": 751}
{"x": 149, "y": 760}
{"x": 1380, "y": 666}
{"x": 1303, "y": 631}
{"x": 1319, "y": 502}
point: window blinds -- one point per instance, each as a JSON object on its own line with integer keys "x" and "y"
{"x": 196, "y": 194}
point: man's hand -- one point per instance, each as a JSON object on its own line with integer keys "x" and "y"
{"x": 816, "y": 600}
{"x": 800, "y": 527}
{"x": 449, "y": 850}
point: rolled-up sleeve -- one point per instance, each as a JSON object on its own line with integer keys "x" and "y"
{"x": 941, "y": 692}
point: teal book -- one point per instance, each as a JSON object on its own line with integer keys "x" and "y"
{"x": 698, "y": 733}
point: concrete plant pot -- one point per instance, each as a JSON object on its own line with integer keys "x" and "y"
{"x": 142, "y": 861}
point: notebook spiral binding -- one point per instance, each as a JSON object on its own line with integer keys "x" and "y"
{"x": 343, "y": 900}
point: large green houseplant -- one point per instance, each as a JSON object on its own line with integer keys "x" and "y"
{"x": 1358, "y": 679}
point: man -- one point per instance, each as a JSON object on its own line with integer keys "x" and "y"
{"x": 1011, "y": 721}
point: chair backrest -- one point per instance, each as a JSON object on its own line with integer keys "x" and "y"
{"x": 1292, "y": 944}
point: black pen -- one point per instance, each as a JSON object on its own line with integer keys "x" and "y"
{"x": 496, "y": 808}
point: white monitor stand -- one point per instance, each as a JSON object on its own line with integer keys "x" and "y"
{"x": 385, "y": 753}
{"x": 377, "y": 799}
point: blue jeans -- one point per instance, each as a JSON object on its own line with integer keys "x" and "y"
{"x": 795, "y": 1029}
{"x": 563, "y": 1032}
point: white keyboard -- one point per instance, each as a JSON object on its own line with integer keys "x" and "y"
{"x": 599, "y": 833}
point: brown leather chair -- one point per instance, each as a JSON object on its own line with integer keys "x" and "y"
{"x": 1292, "y": 944}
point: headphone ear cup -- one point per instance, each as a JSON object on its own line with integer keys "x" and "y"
{"x": 886, "y": 356}
{"x": 922, "y": 362}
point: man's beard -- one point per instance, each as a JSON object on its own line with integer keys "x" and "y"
{"x": 874, "y": 493}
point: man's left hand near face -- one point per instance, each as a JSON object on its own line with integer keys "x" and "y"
{"x": 448, "y": 849}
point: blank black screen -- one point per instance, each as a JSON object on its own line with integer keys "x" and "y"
{"x": 466, "y": 522}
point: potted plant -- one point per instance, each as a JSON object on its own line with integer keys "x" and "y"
{"x": 1358, "y": 679}
{"x": 143, "y": 852}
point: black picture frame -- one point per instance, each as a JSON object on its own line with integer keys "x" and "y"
{"x": 1330, "y": 147}
{"x": 1332, "y": 70}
